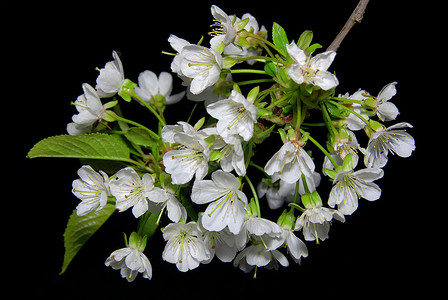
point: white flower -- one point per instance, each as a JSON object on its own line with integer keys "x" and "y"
{"x": 202, "y": 65}
{"x": 166, "y": 198}
{"x": 219, "y": 243}
{"x": 389, "y": 139}
{"x": 191, "y": 158}
{"x": 276, "y": 196}
{"x": 312, "y": 70}
{"x": 111, "y": 77}
{"x": 185, "y": 246}
{"x": 233, "y": 158}
{"x": 296, "y": 247}
{"x": 290, "y": 162}
{"x": 149, "y": 86}
{"x": 385, "y": 110}
{"x": 350, "y": 185}
{"x": 255, "y": 226}
{"x": 131, "y": 261}
{"x": 315, "y": 220}
{"x": 92, "y": 188}
{"x": 224, "y": 30}
{"x": 262, "y": 253}
{"x": 131, "y": 191}
{"x": 235, "y": 116}
{"x": 353, "y": 121}
{"x": 228, "y": 206}
{"x": 90, "y": 110}
{"x": 254, "y": 48}
{"x": 344, "y": 144}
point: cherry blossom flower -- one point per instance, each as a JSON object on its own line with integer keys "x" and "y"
{"x": 315, "y": 220}
{"x": 92, "y": 188}
{"x": 131, "y": 191}
{"x": 111, "y": 77}
{"x": 385, "y": 110}
{"x": 131, "y": 260}
{"x": 201, "y": 64}
{"x": 191, "y": 158}
{"x": 290, "y": 162}
{"x": 90, "y": 111}
{"x": 185, "y": 246}
{"x": 312, "y": 70}
{"x": 228, "y": 203}
{"x": 236, "y": 116}
{"x": 350, "y": 185}
{"x": 150, "y": 88}
{"x": 392, "y": 139}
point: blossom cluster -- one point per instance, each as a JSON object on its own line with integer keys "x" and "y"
{"x": 194, "y": 179}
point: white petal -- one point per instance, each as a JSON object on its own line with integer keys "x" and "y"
{"x": 387, "y": 92}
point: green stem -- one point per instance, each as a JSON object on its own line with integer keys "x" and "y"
{"x": 151, "y": 109}
{"x": 255, "y": 81}
{"x": 155, "y": 135}
{"x": 346, "y": 100}
{"x": 327, "y": 119}
{"x": 280, "y": 51}
{"x": 254, "y": 192}
{"x": 260, "y": 168}
{"x": 350, "y": 110}
{"x": 279, "y": 101}
{"x": 316, "y": 143}
{"x": 248, "y": 71}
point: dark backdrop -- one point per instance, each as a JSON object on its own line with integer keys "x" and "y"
{"x": 386, "y": 248}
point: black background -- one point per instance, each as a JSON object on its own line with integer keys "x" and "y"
{"x": 390, "y": 247}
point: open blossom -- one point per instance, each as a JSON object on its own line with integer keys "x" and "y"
{"x": 262, "y": 253}
{"x": 312, "y": 70}
{"x": 90, "y": 110}
{"x": 111, "y": 77}
{"x": 191, "y": 158}
{"x": 201, "y": 64}
{"x": 236, "y": 116}
{"x": 131, "y": 260}
{"x": 224, "y": 30}
{"x": 185, "y": 246}
{"x": 92, "y": 188}
{"x": 132, "y": 191}
{"x": 385, "y": 110}
{"x": 290, "y": 162}
{"x": 315, "y": 220}
{"x": 219, "y": 243}
{"x": 353, "y": 121}
{"x": 350, "y": 185}
{"x": 228, "y": 203}
{"x": 151, "y": 86}
{"x": 389, "y": 139}
{"x": 166, "y": 198}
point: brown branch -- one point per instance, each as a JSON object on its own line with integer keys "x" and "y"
{"x": 355, "y": 17}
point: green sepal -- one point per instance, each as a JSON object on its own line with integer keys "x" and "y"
{"x": 127, "y": 90}
{"x": 216, "y": 155}
{"x": 270, "y": 68}
{"x": 228, "y": 62}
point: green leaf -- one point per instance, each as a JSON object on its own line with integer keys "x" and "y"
{"x": 151, "y": 225}
{"x": 270, "y": 68}
{"x": 305, "y": 39}
{"x": 279, "y": 38}
{"x": 313, "y": 48}
{"x": 91, "y": 146}
{"x": 80, "y": 229}
{"x": 140, "y": 137}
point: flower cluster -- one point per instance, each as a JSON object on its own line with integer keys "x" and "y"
{"x": 198, "y": 174}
